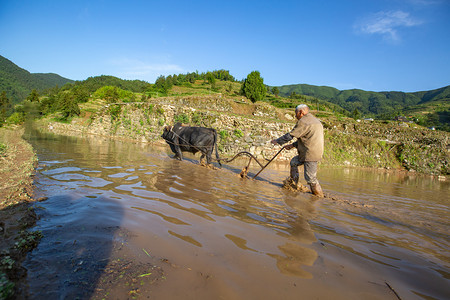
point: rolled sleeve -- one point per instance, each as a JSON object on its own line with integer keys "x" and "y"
{"x": 284, "y": 139}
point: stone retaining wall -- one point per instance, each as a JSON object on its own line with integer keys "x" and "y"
{"x": 144, "y": 122}
{"x": 243, "y": 126}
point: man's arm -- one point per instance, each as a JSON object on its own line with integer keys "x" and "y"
{"x": 283, "y": 139}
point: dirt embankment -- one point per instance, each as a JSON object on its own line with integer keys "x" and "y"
{"x": 17, "y": 165}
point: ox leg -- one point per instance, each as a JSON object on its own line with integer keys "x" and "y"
{"x": 201, "y": 159}
{"x": 208, "y": 157}
{"x": 178, "y": 153}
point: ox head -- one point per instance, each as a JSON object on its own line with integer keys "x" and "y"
{"x": 168, "y": 135}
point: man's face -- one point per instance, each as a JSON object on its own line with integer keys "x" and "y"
{"x": 298, "y": 114}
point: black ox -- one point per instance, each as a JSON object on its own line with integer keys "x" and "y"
{"x": 191, "y": 139}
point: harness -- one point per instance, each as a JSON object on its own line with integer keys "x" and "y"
{"x": 187, "y": 145}
{"x": 228, "y": 160}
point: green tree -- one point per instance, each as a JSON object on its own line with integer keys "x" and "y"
{"x": 433, "y": 119}
{"x": 275, "y": 91}
{"x": 160, "y": 82}
{"x": 164, "y": 84}
{"x": 67, "y": 105}
{"x": 211, "y": 80}
{"x": 253, "y": 87}
{"x": 112, "y": 95}
{"x": 48, "y": 104}
{"x": 169, "y": 82}
{"x": 356, "y": 114}
{"x": 4, "y": 107}
{"x": 81, "y": 94}
{"x": 109, "y": 93}
{"x": 33, "y": 96}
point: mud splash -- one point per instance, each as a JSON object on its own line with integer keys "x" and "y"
{"x": 125, "y": 220}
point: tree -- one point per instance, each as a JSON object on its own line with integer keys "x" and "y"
{"x": 4, "y": 106}
{"x": 164, "y": 84}
{"x": 48, "y": 104}
{"x": 34, "y": 96}
{"x": 211, "y": 80}
{"x": 111, "y": 94}
{"x": 67, "y": 105}
{"x": 275, "y": 91}
{"x": 253, "y": 87}
{"x": 81, "y": 94}
{"x": 356, "y": 114}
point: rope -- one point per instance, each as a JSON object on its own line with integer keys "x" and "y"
{"x": 227, "y": 160}
{"x": 187, "y": 145}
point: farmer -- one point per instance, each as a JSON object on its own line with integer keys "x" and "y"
{"x": 309, "y": 144}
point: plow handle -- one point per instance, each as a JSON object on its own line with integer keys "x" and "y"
{"x": 268, "y": 162}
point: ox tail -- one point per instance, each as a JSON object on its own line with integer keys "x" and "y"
{"x": 215, "y": 145}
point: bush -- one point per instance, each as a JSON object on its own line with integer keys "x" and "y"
{"x": 113, "y": 94}
{"x": 16, "y": 118}
{"x": 238, "y": 133}
{"x": 182, "y": 118}
{"x": 114, "y": 111}
{"x": 196, "y": 118}
{"x": 2, "y": 149}
{"x": 224, "y": 134}
{"x": 160, "y": 111}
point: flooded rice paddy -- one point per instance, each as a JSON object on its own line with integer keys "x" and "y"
{"x": 124, "y": 220}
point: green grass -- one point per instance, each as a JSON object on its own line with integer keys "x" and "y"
{"x": 3, "y": 149}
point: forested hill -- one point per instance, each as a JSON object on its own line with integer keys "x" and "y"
{"x": 367, "y": 102}
{"x": 18, "y": 83}
{"x": 426, "y": 107}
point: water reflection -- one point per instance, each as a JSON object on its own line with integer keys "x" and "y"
{"x": 295, "y": 257}
{"x": 73, "y": 253}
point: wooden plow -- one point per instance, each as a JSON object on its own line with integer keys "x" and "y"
{"x": 244, "y": 171}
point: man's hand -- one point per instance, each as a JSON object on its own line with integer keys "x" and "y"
{"x": 289, "y": 147}
{"x": 274, "y": 142}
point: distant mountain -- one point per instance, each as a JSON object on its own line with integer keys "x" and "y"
{"x": 18, "y": 82}
{"x": 367, "y": 102}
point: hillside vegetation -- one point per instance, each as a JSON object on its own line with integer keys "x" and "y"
{"x": 18, "y": 83}
{"x": 135, "y": 109}
{"x": 426, "y": 108}
{"x": 242, "y": 125}
{"x": 429, "y": 108}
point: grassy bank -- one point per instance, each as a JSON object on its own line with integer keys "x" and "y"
{"x": 17, "y": 165}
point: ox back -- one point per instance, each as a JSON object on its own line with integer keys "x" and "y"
{"x": 191, "y": 139}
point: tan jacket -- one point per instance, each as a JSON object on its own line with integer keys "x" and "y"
{"x": 309, "y": 134}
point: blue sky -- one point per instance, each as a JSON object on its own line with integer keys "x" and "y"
{"x": 376, "y": 45}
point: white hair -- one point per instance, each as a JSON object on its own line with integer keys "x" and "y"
{"x": 302, "y": 107}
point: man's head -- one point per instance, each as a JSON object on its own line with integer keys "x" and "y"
{"x": 301, "y": 110}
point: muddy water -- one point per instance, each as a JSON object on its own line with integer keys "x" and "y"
{"x": 124, "y": 220}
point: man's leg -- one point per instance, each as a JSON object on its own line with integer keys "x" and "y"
{"x": 295, "y": 162}
{"x": 292, "y": 182}
{"x": 310, "y": 172}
